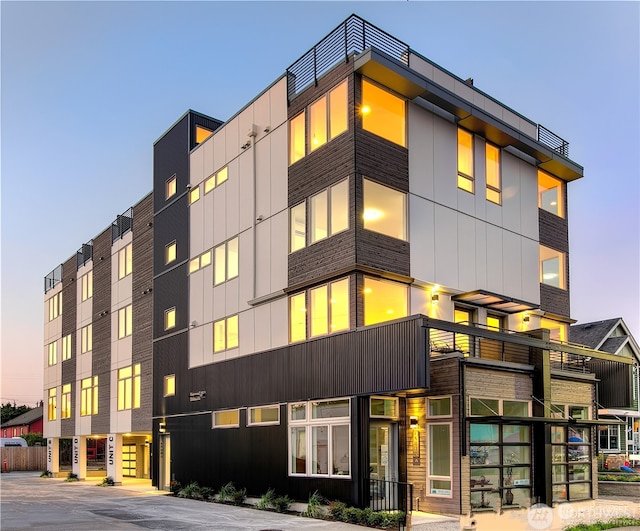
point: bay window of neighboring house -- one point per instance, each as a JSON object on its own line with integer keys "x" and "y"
{"x": 385, "y": 210}
{"x": 609, "y": 438}
{"x": 319, "y": 438}
{"x": 384, "y": 300}
{"x": 383, "y": 113}
{"x": 328, "y": 311}
{"x": 552, "y": 267}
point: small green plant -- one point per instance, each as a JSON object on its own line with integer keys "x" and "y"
{"x": 314, "y": 505}
{"x": 351, "y": 515}
{"x": 266, "y": 501}
{"x": 600, "y": 526}
{"x": 191, "y": 491}
{"x": 226, "y": 492}
{"x": 207, "y": 493}
{"x": 282, "y": 503}
{"x": 71, "y": 477}
{"x": 107, "y": 482}
{"x": 375, "y": 519}
{"x": 336, "y": 508}
{"x": 175, "y": 487}
{"x": 238, "y": 496}
{"x": 46, "y": 474}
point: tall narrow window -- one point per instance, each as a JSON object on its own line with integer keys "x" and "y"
{"x": 298, "y": 317}
{"x": 298, "y": 227}
{"x": 169, "y": 318}
{"x": 383, "y": 301}
{"x": 55, "y": 306}
{"x": 439, "y": 445}
{"x": 53, "y": 353}
{"x": 66, "y": 347}
{"x": 465, "y": 160}
{"x": 550, "y": 194}
{"x": 129, "y": 387}
{"x": 52, "y": 409}
{"x": 125, "y": 321}
{"x": 552, "y": 267}
{"x": 86, "y": 339}
{"x": 225, "y": 261}
{"x": 318, "y": 123}
{"x": 338, "y": 110}
{"x": 383, "y": 114}
{"x": 319, "y": 220}
{"x": 65, "y": 412}
{"x": 87, "y": 286}
{"x": 125, "y": 261}
{"x": 170, "y": 252}
{"x": 170, "y": 187}
{"x": 232, "y": 258}
{"x": 296, "y": 138}
{"x": 328, "y": 310}
{"x": 494, "y": 185}
{"x": 170, "y": 385}
{"x": 89, "y": 396}
{"x": 384, "y": 210}
{"x": 225, "y": 334}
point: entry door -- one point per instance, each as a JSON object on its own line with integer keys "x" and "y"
{"x": 383, "y": 461}
{"x": 165, "y": 462}
{"x": 129, "y": 460}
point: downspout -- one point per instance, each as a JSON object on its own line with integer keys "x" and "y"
{"x": 252, "y": 134}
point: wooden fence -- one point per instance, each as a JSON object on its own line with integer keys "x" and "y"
{"x": 29, "y": 458}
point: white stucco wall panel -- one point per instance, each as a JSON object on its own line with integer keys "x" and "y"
{"x": 261, "y": 327}
{"x": 232, "y": 139}
{"x": 196, "y": 346}
{"x": 494, "y": 259}
{"x": 207, "y": 154}
{"x": 196, "y": 167}
{"x": 232, "y": 296}
{"x": 219, "y": 228}
{"x": 245, "y": 207}
{"x": 219, "y": 148}
{"x": 511, "y": 195}
{"x": 481, "y": 253}
{"x": 219, "y": 301}
{"x": 530, "y": 271}
{"x": 421, "y": 156}
{"x": 445, "y": 162}
{"x": 197, "y": 228}
{"x": 263, "y": 177}
{"x": 246, "y": 333}
{"x": 279, "y": 322}
{"x": 263, "y": 258}
{"x": 196, "y": 295}
{"x": 466, "y": 253}
{"x": 422, "y": 238}
{"x": 278, "y": 102}
{"x": 231, "y": 191}
{"x": 446, "y": 246}
{"x": 279, "y": 251}
{"x": 512, "y": 268}
{"x": 208, "y": 217}
{"x": 279, "y": 169}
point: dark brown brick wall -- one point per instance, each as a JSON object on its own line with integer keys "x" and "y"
{"x": 142, "y": 337}
{"x": 101, "y": 359}
{"x": 69, "y": 306}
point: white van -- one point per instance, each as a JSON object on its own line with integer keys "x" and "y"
{"x": 12, "y": 441}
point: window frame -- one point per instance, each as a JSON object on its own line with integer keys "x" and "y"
{"x": 129, "y": 391}
{"x": 438, "y": 477}
{"x": 65, "y": 410}
{"x": 125, "y": 321}
{"x": 89, "y": 396}
{"x": 493, "y": 188}
{"x": 66, "y": 347}
{"x": 389, "y": 190}
{"x": 52, "y": 404}
{"x": 367, "y": 290}
{"x": 251, "y": 423}
{"x": 227, "y": 345}
{"x": 86, "y": 286}
{"x": 170, "y": 318}
{"x": 501, "y": 402}
{"x": 125, "y": 261}
{"x": 365, "y": 110}
{"x": 194, "y": 195}
{"x": 170, "y": 252}
{"x": 560, "y": 199}
{"x": 214, "y": 417}
{"x": 52, "y": 351}
{"x": 429, "y": 399}
{"x": 220, "y": 253}
{"x": 391, "y": 399}
{"x": 86, "y": 339}
{"x": 170, "y": 187}
{"x": 467, "y": 177}
{"x": 165, "y": 386}
{"x": 548, "y": 254}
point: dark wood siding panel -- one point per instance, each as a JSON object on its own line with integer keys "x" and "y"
{"x": 101, "y": 356}
{"x": 142, "y": 337}
{"x": 554, "y": 231}
{"x": 325, "y": 83}
{"x": 554, "y": 300}
{"x": 69, "y": 312}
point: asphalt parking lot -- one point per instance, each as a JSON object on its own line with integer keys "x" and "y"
{"x": 29, "y": 502}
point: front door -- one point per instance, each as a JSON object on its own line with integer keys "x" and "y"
{"x": 165, "y": 462}
{"x": 383, "y": 463}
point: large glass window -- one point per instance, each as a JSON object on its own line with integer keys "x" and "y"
{"x": 262, "y": 416}
{"x": 298, "y": 318}
{"x": 87, "y": 285}
{"x": 125, "y": 261}
{"x": 225, "y": 334}
{"x": 609, "y": 438}
{"x": 296, "y": 138}
{"x": 225, "y": 261}
{"x": 552, "y": 267}
{"x": 465, "y": 161}
{"x": 320, "y": 430}
{"x": 385, "y": 210}
{"x": 557, "y": 330}
{"x": 298, "y": 224}
{"x": 89, "y": 396}
{"x": 384, "y": 300}
{"x": 65, "y": 413}
{"x": 52, "y": 349}
{"x": 86, "y": 339}
{"x": 55, "y": 306}
{"x": 571, "y": 456}
{"x": 500, "y": 456}
{"x": 494, "y": 184}
{"x": 125, "y": 321}
{"x": 318, "y": 123}
{"x": 66, "y": 347}
{"x": 129, "y": 387}
{"x": 383, "y": 114}
{"x": 550, "y": 194}
{"x": 52, "y": 409}
{"x": 439, "y": 452}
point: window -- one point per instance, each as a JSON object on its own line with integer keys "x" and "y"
{"x": 485, "y": 407}
{"x": 125, "y": 321}
{"x": 609, "y": 438}
{"x": 383, "y": 113}
{"x": 384, "y": 210}
{"x": 87, "y": 286}
{"x": 66, "y": 347}
{"x": 439, "y": 458}
{"x": 328, "y": 311}
{"x": 202, "y": 134}
{"x": 319, "y": 439}
{"x": 439, "y": 407}
{"x": 216, "y": 179}
{"x": 550, "y": 194}
{"x": 263, "y": 416}
{"x": 52, "y": 349}
{"x": 170, "y": 252}
{"x": 89, "y": 396}
{"x": 200, "y": 261}
{"x": 86, "y": 339}
{"x": 55, "y": 306}
{"x": 170, "y": 385}
{"x": 328, "y": 215}
{"x": 552, "y": 267}
{"x": 383, "y": 407}
{"x": 571, "y": 457}
{"x": 465, "y": 161}
{"x": 169, "y": 318}
{"x": 170, "y": 187}
{"x": 125, "y": 261}
{"x": 226, "y": 261}
{"x": 557, "y": 330}
{"x": 226, "y": 419}
{"x": 500, "y": 456}
{"x": 194, "y": 195}
{"x": 225, "y": 334}
{"x": 328, "y": 117}
{"x": 296, "y": 138}
{"x": 65, "y": 412}
{"x": 383, "y": 301}
{"x": 52, "y": 413}
{"x": 129, "y": 387}
{"x": 495, "y": 322}
{"x": 494, "y": 184}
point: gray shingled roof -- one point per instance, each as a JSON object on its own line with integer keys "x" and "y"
{"x": 591, "y": 334}
{"x": 612, "y": 344}
{"x": 25, "y": 418}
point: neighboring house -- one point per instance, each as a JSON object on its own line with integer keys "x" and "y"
{"x": 617, "y": 393}
{"x": 29, "y": 422}
{"x": 357, "y": 282}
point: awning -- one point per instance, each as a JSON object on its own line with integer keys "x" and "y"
{"x": 493, "y": 301}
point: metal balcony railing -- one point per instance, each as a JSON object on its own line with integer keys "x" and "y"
{"x": 53, "y": 278}
{"x": 122, "y": 224}
{"x": 389, "y": 496}
{"x": 553, "y": 141}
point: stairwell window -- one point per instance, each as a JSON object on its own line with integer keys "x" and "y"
{"x": 170, "y": 318}
{"x": 465, "y": 161}
{"x": 87, "y": 286}
{"x": 552, "y": 267}
{"x": 66, "y": 347}
{"x": 86, "y": 339}
{"x": 383, "y": 113}
{"x": 125, "y": 261}
{"x": 494, "y": 182}
{"x": 170, "y": 187}
{"x": 169, "y": 385}
{"x": 170, "y": 252}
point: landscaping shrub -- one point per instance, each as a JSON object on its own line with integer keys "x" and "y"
{"x": 191, "y": 491}
{"x": 226, "y": 492}
{"x": 336, "y": 508}
{"x": 282, "y": 503}
{"x": 238, "y": 496}
{"x": 314, "y": 505}
{"x": 107, "y": 482}
{"x": 600, "y": 526}
{"x": 71, "y": 477}
{"x": 46, "y": 474}
{"x": 266, "y": 501}
{"x": 175, "y": 487}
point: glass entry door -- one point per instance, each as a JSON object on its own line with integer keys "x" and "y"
{"x": 165, "y": 462}
{"x": 383, "y": 462}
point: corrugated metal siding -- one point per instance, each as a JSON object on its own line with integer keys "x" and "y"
{"x": 615, "y": 386}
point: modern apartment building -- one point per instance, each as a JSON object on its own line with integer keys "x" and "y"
{"x": 360, "y": 282}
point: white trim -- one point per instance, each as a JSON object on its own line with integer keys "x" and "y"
{"x": 391, "y": 398}
{"x": 224, "y": 426}
{"x": 268, "y": 423}
{"x": 426, "y": 407}
{"x": 430, "y": 477}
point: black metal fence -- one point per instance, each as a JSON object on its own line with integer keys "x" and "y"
{"x": 389, "y": 496}
{"x": 354, "y": 35}
{"x": 122, "y": 224}
{"x": 53, "y": 278}
{"x": 553, "y": 141}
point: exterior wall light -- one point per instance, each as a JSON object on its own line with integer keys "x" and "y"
{"x": 435, "y": 298}
{"x": 413, "y": 423}
{"x": 526, "y": 318}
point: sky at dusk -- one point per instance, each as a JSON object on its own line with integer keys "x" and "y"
{"x": 87, "y": 87}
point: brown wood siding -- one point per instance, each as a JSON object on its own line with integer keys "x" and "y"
{"x": 69, "y": 311}
{"x": 101, "y": 358}
{"x": 142, "y": 337}
{"x": 572, "y": 392}
{"x": 488, "y": 383}
{"x": 555, "y": 300}
{"x": 554, "y": 233}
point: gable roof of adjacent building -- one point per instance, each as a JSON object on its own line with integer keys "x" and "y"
{"x": 609, "y": 335}
{"x": 25, "y": 419}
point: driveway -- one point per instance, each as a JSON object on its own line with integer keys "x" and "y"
{"x": 29, "y": 502}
